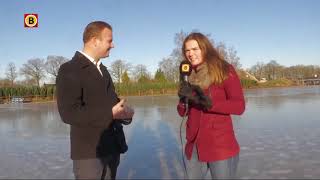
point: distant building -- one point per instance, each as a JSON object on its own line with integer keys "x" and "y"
{"x": 263, "y": 80}
{"x": 49, "y": 85}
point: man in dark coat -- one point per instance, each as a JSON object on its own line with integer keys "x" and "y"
{"x": 87, "y": 101}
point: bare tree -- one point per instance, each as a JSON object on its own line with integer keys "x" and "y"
{"x": 11, "y": 73}
{"x": 233, "y": 58}
{"x": 257, "y": 70}
{"x": 272, "y": 69}
{"x": 170, "y": 68}
{"x": 53, "y": 64}
{"x": 140, "y": 71}
{"x": 176, "y": 53}
{"x": 222, "y": 49}
{"x": 34, "y": 69}
{"x": 229, "y": 54}
{"x": 118, "y": 67}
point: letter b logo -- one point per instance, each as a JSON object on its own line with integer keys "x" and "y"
{"x": 30, "y": 20}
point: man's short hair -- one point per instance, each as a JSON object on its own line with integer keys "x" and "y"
{"x": 94, "y": 29}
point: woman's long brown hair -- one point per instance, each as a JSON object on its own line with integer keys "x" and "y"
{"x": 218, "y": 67}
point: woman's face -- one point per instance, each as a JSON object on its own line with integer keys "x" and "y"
{"x": 193, "y": 52}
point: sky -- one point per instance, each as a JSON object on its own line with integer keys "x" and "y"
{"x": 287, "y": 31}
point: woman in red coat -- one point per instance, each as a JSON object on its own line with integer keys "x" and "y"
{"x": 214, "y": 94}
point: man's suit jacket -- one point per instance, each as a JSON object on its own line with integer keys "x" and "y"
{"x": 85, "y": 100}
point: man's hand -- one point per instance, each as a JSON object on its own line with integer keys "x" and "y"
{"x": 129, "y": 112}
{"x": 122, "y": 111}
{"x": 118, "y": 109}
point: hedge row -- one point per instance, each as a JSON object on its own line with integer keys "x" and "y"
{"x": 150, "y": 88}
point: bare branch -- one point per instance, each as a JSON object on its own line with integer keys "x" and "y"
{"x": 11, "y": 73}
{"x": 53, "y": 64}
{"x": 34, "y": 69}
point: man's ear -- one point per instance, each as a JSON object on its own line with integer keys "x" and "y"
{"x": 95, "y": 41}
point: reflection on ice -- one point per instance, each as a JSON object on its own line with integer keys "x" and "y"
{"x": 278, "y": 136}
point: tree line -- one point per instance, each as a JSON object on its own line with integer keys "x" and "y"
{"x": 273, "y": 71}
{"x": 34, "y": 70}
{"x": 168, "y": 67}
{"x": 137, "y": 79}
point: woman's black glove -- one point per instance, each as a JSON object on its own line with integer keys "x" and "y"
{"x": 185, "y": 93}
{"x": 202, "y": 100}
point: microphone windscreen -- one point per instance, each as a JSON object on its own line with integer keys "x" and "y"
{"x": 185, "y": 68}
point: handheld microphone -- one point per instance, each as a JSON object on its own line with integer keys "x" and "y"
{"x": 185, "y": 70}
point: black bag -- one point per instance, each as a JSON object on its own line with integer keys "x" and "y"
{"x": 112, "y": 141}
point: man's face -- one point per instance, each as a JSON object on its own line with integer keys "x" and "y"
{"x": 104, "y": 43}
{"x": 193, "y": 52}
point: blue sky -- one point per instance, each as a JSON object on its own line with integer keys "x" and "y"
{"x": 287, "y": 31}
